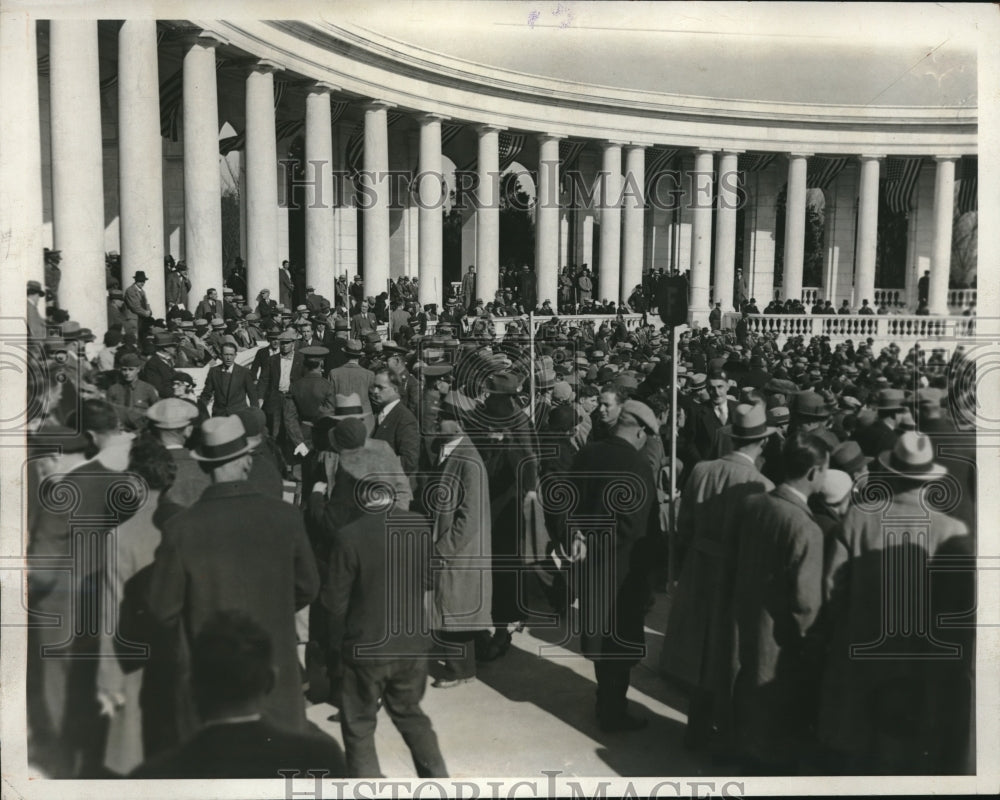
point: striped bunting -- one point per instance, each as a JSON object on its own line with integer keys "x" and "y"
{"x": 658, "y": 159}
{"x": 900, "y": 178}
{"x": 754, "y": 162}
{"x": 511, "y": 145}
{"x": 356, "y": 144}
{"x": 569, "y": 153}
{"x": 822, "y": 171}
{"x": 968, "y": 184}
{"x": 449, "y": 130}
{"x": 337, "y": 109}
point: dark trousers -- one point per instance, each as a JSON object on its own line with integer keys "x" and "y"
{"x": 461, "y": 664}
{"x": 400, "y": 684}
{"x": 613, "y": 678}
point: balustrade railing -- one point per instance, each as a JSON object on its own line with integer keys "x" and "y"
{"x": 961, "y": 299}
{"x": 810, "y": 294}
{"x": 894, "y": 298}
{"x": 881, "y": 327}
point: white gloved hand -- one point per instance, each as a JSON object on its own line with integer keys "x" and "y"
{"x": 301, "y": 449}
{"x": 110, "y": 702}
{"x": 320, "y": 487}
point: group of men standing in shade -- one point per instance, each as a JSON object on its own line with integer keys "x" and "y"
{"x": 333, "y": 466}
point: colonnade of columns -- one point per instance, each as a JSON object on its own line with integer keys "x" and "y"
{"x": 77, "y": 187}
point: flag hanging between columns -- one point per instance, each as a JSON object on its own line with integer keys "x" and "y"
{"x": 569, "y": 152}
{"x": 449, "y": 130}
{"x": 754, "y": 162}
{"x": 283, "y": 129}
{"x": 658, "y": 159}
{"x": 509, "y": 146}
{"x": 821, "y": 171}
{"x": 900, "y": 179}
{"x": 968, "y": 184}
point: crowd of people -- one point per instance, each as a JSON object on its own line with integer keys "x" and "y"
{"x": 240, "y": 534}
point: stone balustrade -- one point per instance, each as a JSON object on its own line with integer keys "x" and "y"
{"x": 961, "y": 299}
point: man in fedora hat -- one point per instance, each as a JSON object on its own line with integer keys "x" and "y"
{"x": 352, "y": 378}
{"x": 138, "y": 314}
{"x": 229, "y": 386}
{"x": 177, "y": 286}
{"x": 276, "y": 378}
{"x": 159, "y": 367}
{"x": 881, "y": 435}
{"x": 172, "y": 422}
{"x": 363, "y": 321}
{"x": 909, "y": 713}
{"x": 286, "y": 286}
{"x": 237, "y": 549}
{"x": 131, "y": 396}
{"x": 613, "y": 588}
{"x": 698, "y": 644}
{"x": 777, "y": 597}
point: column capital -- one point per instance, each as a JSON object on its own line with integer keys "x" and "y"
{"x": 704, "y": 151}
{"x": 190, "y": 35}
{"x": 613, "y": 143}
{"x": 726, "y": 151}
{"x": 639, "y": 145}
{"x": 550, "y": 137}
{"x": 871, "y": 157}
{"x": 319, "y": 87}
{"x": 800, "y": 155}
{"x": 487, "y": 127}
{"x": 429, "y": 116}
{"x": 939, "y": 159}
{"x": 377, "y": 105}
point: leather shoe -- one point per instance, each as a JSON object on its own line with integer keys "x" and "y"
{"x": 450, "y": 683}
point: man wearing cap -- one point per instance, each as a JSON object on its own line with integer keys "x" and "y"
{"x": 172, "y": 422}
{"x": 776, "y": 598}
{"x": 897, "y": 699}
{"x": 286, "y": 286}
{"x": 228, "y": 386}
{"x": 130, "y": 396}
{"x": 309, "y": 397}
{"x": 613, "y": 587}
{"x": 138, "y": 315}
{"x": 237, "y": 549}
{"x": 276, "y": 379}
{"x": 352, "y": 378}
{"x": 698, "y": 644}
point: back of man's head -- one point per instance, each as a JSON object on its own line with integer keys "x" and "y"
{"x": 803, "y": 452}
{"x": 231, "y": 665}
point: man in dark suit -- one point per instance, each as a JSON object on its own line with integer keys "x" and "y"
{"x": 276, "y": 380}
{"x": 261, "y": 357}
{"x": 881, "y": 435}
{"x": 394, "y": 668}
{"x": 706, "y": 419}
{"x": 309, "y": 398}
{"x": 229, "y": 386}
{"x": 363, "y": 322}
{"x": 286, "y": 285}
{"x": 238, "y": 549}
{"x": 613, "y": 588}
{"x": 158, "y": 371}
{"x": 138, "y": 314}
{"x": 395, "y": 423}
{"x": 232, "y": 674}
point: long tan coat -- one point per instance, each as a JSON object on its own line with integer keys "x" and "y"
{"x": 463, "y": 584}
{"x": 698, "y": 648}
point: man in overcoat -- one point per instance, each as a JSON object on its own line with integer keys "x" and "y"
{"x": 614, "y": 482}
{"x": 698, "y": 648}
{"x": 237, "y": 549}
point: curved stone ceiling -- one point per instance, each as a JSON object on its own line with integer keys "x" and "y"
{"x": 730, "y": 53}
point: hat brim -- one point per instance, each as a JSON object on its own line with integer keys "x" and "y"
{"x": 768, "y": 431}
{"x": 936, "y": 470}
{"x": 248, "y": 448}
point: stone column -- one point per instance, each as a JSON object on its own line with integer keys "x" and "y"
{"x": 262, "y": 181}
{"x": 20, "y": 158}
{"x": 944, "y": 201}
{"x": 725, "y": 231}
{"x": 78, "y": 171}
{"x": 795, "y": 225}
{"x": 864, "y": 271}
{"x": 375, "y": 185}
{"x": 320, "y": 196}
{"x": 488, "y": 212}
{"x": 700, "y": 200}
{"x": 609, "y": 279}
{"x": 547, "y": 220}
{"x": 430, "y": 200}
{"x": 633, "y": 241}
{"x": 140, "y": 159}
{"x": 202, "y": 183}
